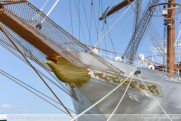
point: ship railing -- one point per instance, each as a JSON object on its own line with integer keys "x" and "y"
{"x": 113, "y": 56}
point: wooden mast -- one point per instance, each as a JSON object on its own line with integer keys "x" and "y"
{"x": 171, "y": 38}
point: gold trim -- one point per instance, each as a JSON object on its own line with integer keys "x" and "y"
{"x": 127, "y": 76}
{"x": 129, "y": 89}
{"x": 116, "y": 79}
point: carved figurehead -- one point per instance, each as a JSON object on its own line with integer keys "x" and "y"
{"x": 67, "y": 72}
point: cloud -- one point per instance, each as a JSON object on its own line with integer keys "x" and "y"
{"x": 72, "y": 108}
{"x": 7, "y": 106}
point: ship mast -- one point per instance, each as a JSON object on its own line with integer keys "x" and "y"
{"x": 171, "y": 37}
{"x": 170, "y": 8}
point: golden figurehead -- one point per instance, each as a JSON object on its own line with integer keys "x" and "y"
{"x": 67, "y": 72}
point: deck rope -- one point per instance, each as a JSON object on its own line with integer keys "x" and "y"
{"x": 155, "y": 99}
{"x": 103, "y": 97}
{"x": 121, "y": 99}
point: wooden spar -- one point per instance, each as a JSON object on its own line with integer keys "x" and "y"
{"x": 4, "y": 2}
{"x": 35, "y": 70}
{"x": 28, "y": 34}
{"x": 171, "y": 38}
{"x": 116, "y": 8}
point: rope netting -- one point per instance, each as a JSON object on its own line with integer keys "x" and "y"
{"x": 50, "y": 33}
{"x": 28, "y": 50}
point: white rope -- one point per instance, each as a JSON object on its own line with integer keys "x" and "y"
{"x": 113, "y": 24}
{"x": 121, "y": 26}
{"x": 101, "y": 31}
{"x": 50, "y": 11}
{"x": 120, "y": 100}
{"x": 38, "y": 14}
{"x": 155, "y": 99}
{"x": 176, "y": 55}
{"x": 103, "y": 97}
{"x": 178, "y": 35}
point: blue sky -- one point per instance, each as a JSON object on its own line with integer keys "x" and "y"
{"x": 16, "y": 100}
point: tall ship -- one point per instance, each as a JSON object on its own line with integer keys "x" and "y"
{"x": 103, "y": 85}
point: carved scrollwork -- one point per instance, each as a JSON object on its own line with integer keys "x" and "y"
{"x": 133, "y": 84}
{"x": 153, "y": 89}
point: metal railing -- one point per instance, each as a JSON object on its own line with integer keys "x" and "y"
{"x": 135, "y": 61}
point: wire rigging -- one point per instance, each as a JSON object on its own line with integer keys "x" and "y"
{"x": 80, "y": 21}
{"x": 79, "y": 15}
{"x": 71, "y": 17}
{"x": 6, "y": 33}
{"x": 142, "y": 26}
{"x": 95, "y": 20}
{"x": 65, "y": 89}
{"x": 90, "y": 41}
{"x": 19, "y": 82}
{"x": 121, "y": 26}
{"x": 38, "y": 14}
{"x": 10, "y": 77}
{"x": 113, "y": 25}
{"x": 91, "y": 21}
{"x": 111, "y": 39}
{"x": 32, "y": 92}
{"x": 98, "y": 20}
{"x": 112, "y": 2}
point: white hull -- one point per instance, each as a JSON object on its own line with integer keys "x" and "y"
{"x": 169, "y": 94}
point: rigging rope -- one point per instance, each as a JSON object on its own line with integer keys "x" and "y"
{"x": 65, "y": 89}
{"x": 121, "y": 26}
{"x": 80, "y": 21}
{"x": 107, "y": 30}
{"x": 105, "y": 43}
{"x": 108, "y": 82}
{"x": 111, "y": 84}
{"x": 104, "y": 97}
{"x": 87, "y": 23}
{"x": 95, "y": 20}
{"x": 111, "y": 39}
{"x": 33, "y": 92}
{"x": 36, "y": 69}
{"x": 120, "y": 99}
{"x": 155, "y": 99}
{"x": 8, "y": 76}
{"x": 98, "y": 20}
{"x": 178, "y": 54}
{"x": 38, "y": 14}
{"x": 112, "y": 2}
{"x": 164, "y": 45}
{"x": 6, "y": 33}
{"x": 55, "y": 38}
{"x": 50, "y": 11}
{"x": 5, "y": 74}
{"x": 91, "y": 22}
{"x": 152, "y": 27}
{"x": 71, "y": 17}
{"x": 154, "y": 31}
{"x": 113, "y": 24}
{"x": 101, "y": 31}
